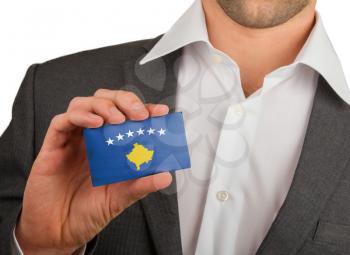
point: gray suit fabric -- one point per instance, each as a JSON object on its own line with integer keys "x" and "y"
{"x": 315, "y": 218}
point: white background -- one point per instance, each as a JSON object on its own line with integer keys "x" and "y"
{"x": 38, "y": 30}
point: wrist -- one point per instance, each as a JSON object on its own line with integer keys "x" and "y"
{"x": 29, "y": 247}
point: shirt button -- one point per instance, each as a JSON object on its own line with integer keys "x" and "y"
{"x": 237, "y": 109}
{"x": 217, "y": 59}
{"x": 222, "y": 196}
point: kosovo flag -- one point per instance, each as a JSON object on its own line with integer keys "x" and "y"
{"x": 135, "y": 149}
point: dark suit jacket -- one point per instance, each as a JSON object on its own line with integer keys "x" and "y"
{"x": 315, "y": 218}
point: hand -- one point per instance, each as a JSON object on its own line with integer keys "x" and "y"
{"x": 61, "y": 210}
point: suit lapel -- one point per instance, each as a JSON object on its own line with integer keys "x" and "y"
{"x": 324, "y": 156}
{"x": 156, "y": 82}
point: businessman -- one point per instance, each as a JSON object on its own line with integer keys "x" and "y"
{"x": 267, "y": 116}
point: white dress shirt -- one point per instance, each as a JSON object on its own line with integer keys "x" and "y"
{"x": 244, "y": 150}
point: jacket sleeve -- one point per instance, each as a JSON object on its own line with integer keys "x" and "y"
{"x": 16, "y": 158}
{"x": 17, "y": 154}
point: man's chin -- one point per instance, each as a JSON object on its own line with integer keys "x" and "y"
{"x": 262, "y": 14}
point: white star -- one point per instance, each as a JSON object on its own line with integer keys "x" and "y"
{"x": 140, "y": 131}
{"x": 120, "y": 137}
{"x": 151, "y": 131}
{"x": 130, "y": 134}
{"x": 109, "y": 141}
{"x": 161, "y": 132}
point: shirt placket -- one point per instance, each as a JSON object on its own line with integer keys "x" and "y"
{"x": 225, "y": 197}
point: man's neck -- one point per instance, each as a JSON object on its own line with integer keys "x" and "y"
{"x": 257, "y": 51}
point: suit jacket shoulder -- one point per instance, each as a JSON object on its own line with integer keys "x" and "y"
{"x": 59, "y": 80}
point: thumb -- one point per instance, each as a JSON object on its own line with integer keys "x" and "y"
{"x": 131, "y": 191}
{"x": 143, "y": 186}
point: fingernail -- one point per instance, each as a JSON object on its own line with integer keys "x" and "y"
{"x": 97, "y": 119}
{"x": 94, "y": 116}
{"x": 140, "y": 110}
{"x": 162, "y": 108}
{"x": 115, "y": 117}
{"x": 114, "y": 112}
{"x": 162, "y": 181}
{"x": 138, "y": 107}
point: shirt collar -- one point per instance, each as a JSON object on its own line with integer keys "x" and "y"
{"x": 317, "y": 53}
{"x": 191, "y": 27}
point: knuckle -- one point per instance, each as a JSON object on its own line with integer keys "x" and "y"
{"x": 117, "y": 95}
{"x": 105, "y": 102}
{"x": 99, "y": 92}
{"x": 101, "y": 104}
{"x": 56, "y": 119}
{"x": 129, "y": 94}
{"x": 75, "y": 102}
{"x": 124, "y": 95}
{"x": 133, "y": 197}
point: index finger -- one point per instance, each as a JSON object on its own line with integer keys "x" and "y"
{"x": 126, "y": 101}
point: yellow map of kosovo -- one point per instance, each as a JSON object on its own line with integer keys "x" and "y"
{"x": 140, "y": 155}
